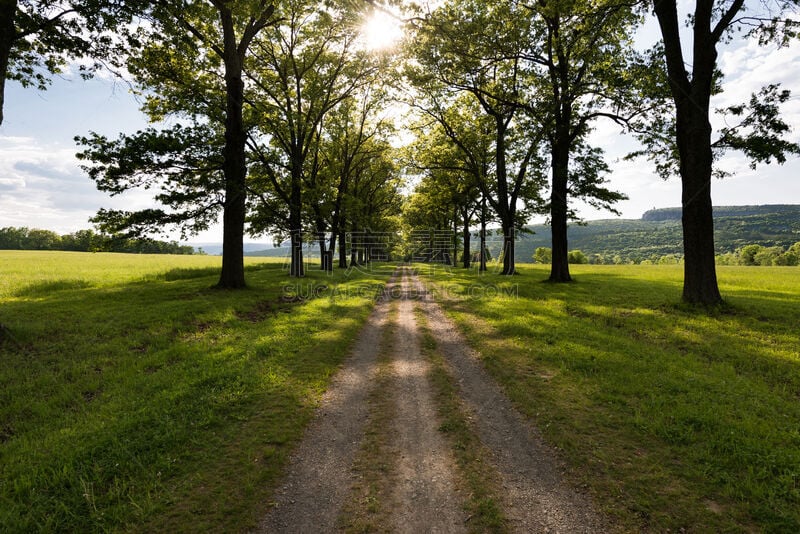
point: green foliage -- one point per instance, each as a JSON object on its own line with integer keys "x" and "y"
{"x": 577, "y": 257}
{"x": 535, "y": 76}
{"x": 303, "y": 68}
{"x": 747, "y": 254}
{"x": 760, "y": 133}
{"x": 466, "y": 63}
{"x": 453, "y": 150}
{"x": 678, "y": 135}
{"x": 39, "y": 37}
{"x": 765, "y": 256}
{"x": 183, "y": 163}
{"x": 768, "y": 256}
{"x": 588, "y": 181}
{"x": 754, "y": 128}
{"x": 543, "y": 255}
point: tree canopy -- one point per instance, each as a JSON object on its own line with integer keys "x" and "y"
{"x": 279, "y": 119}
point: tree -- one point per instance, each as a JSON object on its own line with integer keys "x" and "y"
{"x": 577, "y": 257}
{"x": 791, "y": 257}
{"x": 304, "y": 69}
{"x": 474, "y": 48}
{"x": 454, "y": 148}
{"x": 373, "y": 206}
{"x": 13, "y": 238}
{"x": 426, "y": 218}
{"x": 578, "y": 49}
{"x": 38, "y": 37}
{"x": 747, "y": 254}
{"x": 352, "y": 136}
{"x": 82, "y": 240}
{"x": 190, "y": 59}
{"x": 43, "y": 240}
{"x": 711, "y": 24}
{"x": 544, "y": 70}
{"x": 768, "y": 256}
{"x": 185, "y": 164}
{"x": 543, "y": 255}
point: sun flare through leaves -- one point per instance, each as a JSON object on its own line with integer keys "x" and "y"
{"x": 381, "y": 31}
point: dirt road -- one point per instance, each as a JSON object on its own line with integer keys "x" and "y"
{"x": 425, "y": 491}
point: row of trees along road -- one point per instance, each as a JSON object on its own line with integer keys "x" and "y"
{"x": 265, "y": 98}
{"x": 527, "y": 81}
{"x": 269, "y": 113}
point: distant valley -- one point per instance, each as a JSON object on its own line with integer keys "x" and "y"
{"x": 658, "y": 233}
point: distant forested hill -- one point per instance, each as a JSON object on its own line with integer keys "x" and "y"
{"x": 658, "y": 232}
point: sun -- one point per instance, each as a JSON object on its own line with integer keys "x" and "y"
{"x": 381, "y": 31}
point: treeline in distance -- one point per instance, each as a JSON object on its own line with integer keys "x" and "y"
{"x": 85, "y": 241}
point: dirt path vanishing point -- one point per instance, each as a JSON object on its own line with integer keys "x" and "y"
{"x": 424, "y": 495}
{"x": 424, "y": 498}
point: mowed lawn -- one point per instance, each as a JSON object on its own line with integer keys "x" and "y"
{"x": 135, "y": 397}
{"x": 673, "y": 418}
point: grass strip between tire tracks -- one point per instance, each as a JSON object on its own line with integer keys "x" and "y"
{"x": 472, "y": 458}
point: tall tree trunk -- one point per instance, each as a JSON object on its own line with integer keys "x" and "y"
{"x": 325, "y": 259}
{"x": 8, "y": 11}
{"x": 331, "y": 250}
{"x": 454, "y": 259}
{"x": 507, "y": 210}
{"x": 296, "y": 268}
{"x": 482, "y": 267}
{"x": 559, "y": 267}
{"x": 699, "y": 269}
{"x": 325, "y": 255}
{"x": 353, "y": 248}
{"x": 693, "y": 136}
{"x": 234, "y": 166}
{"x": 466, "y": 236}
{"x": 509, "y": 265}
{"x": 342, "y": 250}
{"x": 337, "y": 222}
{"x": 356, "y": 253}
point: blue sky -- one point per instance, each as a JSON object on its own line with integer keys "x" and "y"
{"x": 42, "y": 186}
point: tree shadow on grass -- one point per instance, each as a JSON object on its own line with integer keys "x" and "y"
{"x": 189, "y": 273}
{"x": 46, "y": 287}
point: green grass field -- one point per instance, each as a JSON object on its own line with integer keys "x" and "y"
{"x": 674, "y": 418}
{"x": 135, "y": 397}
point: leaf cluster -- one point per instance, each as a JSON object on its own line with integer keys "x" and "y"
{"x": 182, "y": 164}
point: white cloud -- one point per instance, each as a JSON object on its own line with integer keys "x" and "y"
{"x": 42, "y": 186}
{"x": 749, "y": 67}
